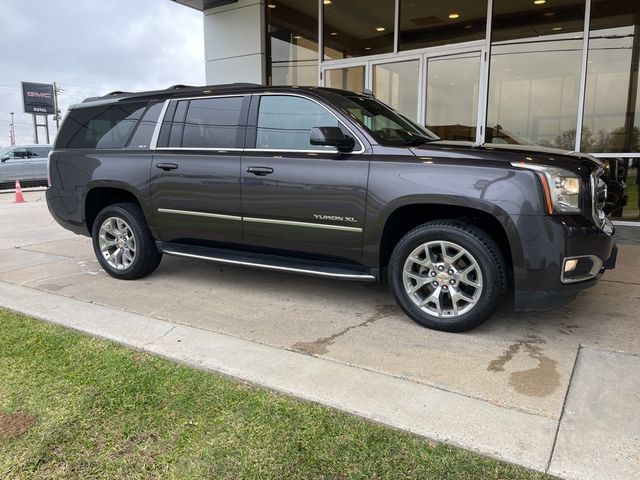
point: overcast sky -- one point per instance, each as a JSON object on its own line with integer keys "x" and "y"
{"x": 93, "y": 47}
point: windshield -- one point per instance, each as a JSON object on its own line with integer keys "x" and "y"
{"x": 5, "y": 151}
{"x": 386, "y": 126}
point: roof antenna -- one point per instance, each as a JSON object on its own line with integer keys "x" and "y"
{"x": 368, "y": 93}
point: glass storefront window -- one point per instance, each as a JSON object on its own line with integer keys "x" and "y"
{"x": 292, "y": 42}
{"x": 356, "y": 29}
{"x": 611, "y": 120}
{"x": 396, "y": 84}
{"x": 429, "y": 23}
{"x": 534, "y": 79}
{"x": 350, "y": 78}
{"x": 452, "y": 96}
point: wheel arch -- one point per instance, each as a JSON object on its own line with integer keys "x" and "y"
{"x": 100, "y": 196}
{"x": 488, "y": 217}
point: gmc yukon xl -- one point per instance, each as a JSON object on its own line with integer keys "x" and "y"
{"x": 330, "y": 183}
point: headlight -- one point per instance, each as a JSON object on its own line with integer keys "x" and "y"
{"x": 565, "y": 191}
{"x": 561, "y": 187}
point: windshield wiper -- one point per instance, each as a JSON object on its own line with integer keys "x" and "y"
{"x": 417, "y": 141}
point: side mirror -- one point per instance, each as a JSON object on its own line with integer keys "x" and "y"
{"x": 332, "y": 137}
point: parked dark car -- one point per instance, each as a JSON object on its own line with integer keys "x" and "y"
{"x": 329, "y": 183}
{"x": 614, "y": 176}
{"x": 26, "y": 163}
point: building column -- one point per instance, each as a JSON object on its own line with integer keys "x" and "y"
{"x": 234, "y": 43}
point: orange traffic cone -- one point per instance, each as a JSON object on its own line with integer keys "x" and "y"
{"x": 19, "y": 195}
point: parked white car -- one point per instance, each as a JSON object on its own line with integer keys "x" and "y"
{"x": 26, "y": 163}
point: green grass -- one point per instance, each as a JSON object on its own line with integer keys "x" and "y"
{"x": 100, "y": 410}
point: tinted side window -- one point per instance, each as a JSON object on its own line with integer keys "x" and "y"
{"x": 106, "y": 126}
{"x": 165, "y": 130}
{"x": 18, "y": 153}
{"x": 141, "y": 138}
{"x": 285, "y": 123}
{"x": 175, "y": 137}
{"x": 212, "y": 123}
{"x": 38, "y": 152}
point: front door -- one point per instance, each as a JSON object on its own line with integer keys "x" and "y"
{"x": 296, "y": 196}
{"x": 195, "y": 177}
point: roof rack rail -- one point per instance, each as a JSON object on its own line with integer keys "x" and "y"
{"x": 178, "y": 86}
{"x": 115, "y": 92}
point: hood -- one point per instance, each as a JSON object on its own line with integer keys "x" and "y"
{"x": 579, "y": 163}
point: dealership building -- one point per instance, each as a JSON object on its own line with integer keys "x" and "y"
{"x": 557, "y": 73}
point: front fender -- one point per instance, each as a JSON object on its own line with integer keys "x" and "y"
{"x": 505, "y": 194}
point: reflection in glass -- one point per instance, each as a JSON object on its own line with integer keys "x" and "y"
{"x": 632, "y": 177}
{"x": 534, "y": 75}
{"x": 612, "y": 104}
{"x": 292, "y": 43}
{"x": 355, "y": 29}
{"x": 285, "y": 122}
{"x": 428, "y": 23}
{"x": 622, "y": 177}
{"x": 533, "y": 93}
{"x": 452, "y": 96}
{"x": 518, "y": 19}
{"x": 351, "y": 78}
{"x": 396, "y": 84}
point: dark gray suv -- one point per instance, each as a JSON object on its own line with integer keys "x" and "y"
{"x": 329, "y": 183}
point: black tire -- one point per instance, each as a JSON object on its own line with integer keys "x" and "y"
{"x": 483, "y": 250}
{"x": 146, "y": 258}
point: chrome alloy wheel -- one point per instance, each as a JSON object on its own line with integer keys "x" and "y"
{"x": 117, "y": 243}
{"x": 443, "y": 279}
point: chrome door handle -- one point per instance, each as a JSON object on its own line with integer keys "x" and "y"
{"x": 260, "y": 171}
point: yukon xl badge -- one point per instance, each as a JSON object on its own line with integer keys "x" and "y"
{"x": 335, "y": 218}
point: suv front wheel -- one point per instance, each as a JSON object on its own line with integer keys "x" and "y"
{"x": 447, "y": 275}
{"x": 123, "y": 243}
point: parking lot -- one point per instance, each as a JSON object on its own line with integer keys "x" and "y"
{"x": 517, "y": 361}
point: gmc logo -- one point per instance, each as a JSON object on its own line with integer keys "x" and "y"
{"x": 39, "y": 95}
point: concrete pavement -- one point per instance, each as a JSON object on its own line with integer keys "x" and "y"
{"x": 516, "y": 368}
{"x": 600, "y": 430}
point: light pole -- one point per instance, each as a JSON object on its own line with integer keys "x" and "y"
{"x": 13, "y": 131}
{"x": 56, "y": 90}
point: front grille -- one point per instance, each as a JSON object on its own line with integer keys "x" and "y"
{"x": 599, "y": 197}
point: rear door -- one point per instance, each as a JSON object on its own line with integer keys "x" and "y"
{"x": 195, "y": 177}
{"x": 296, "y": 196}
{"x": 38, "y": 156}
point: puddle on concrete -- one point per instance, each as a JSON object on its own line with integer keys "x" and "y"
{"x": 321, "y": 345}
{"x": 539, "y": 381}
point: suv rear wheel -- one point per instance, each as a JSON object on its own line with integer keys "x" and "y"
{"x": 447, "y": 275}
{"x": 123, "y": 243}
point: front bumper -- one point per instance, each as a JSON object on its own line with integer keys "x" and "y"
{"x": 539, "y": 285}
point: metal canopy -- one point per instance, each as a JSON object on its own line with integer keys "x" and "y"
{"x": 203, "y": 5}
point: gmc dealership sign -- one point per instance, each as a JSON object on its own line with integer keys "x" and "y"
{"x": 38, "y": 98}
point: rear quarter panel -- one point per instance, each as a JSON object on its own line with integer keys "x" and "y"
{"x": 76, "y": 172}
